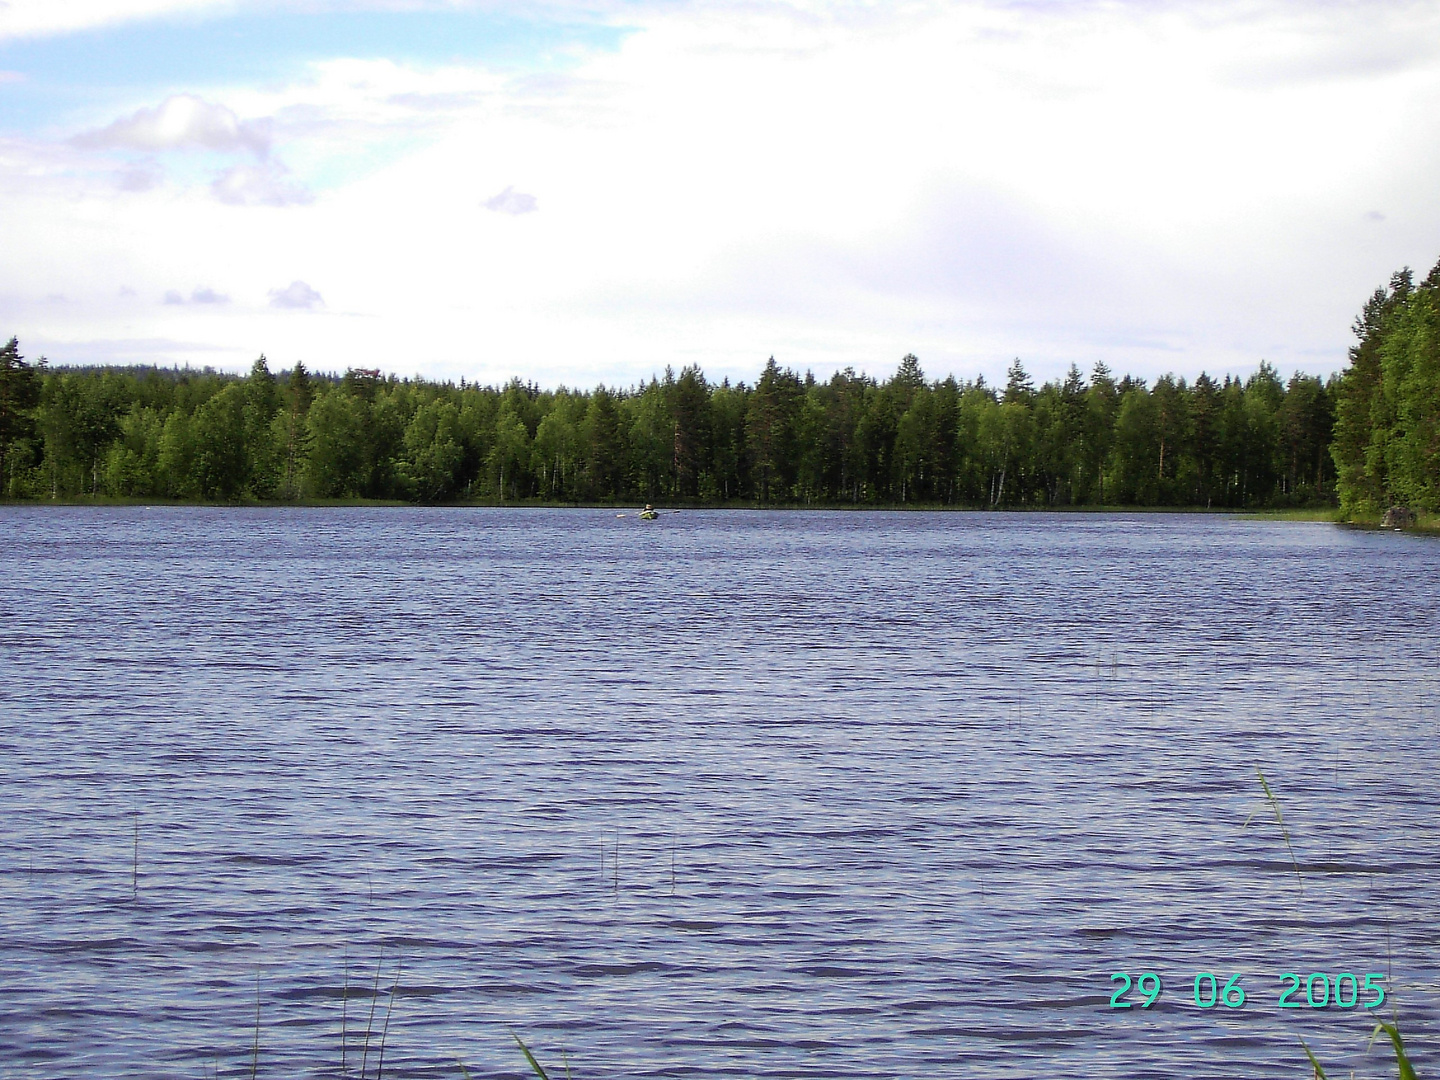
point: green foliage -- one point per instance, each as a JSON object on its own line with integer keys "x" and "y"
{"x": 434, "y": 451}
{"x": 262, "y": 468}
{"x": 651, "y": 437}
{"x": 1403, "y": 1065}
{"x": 603, "y": 447}
{"x": 19, "y": 394}
{"x": 691, "y": 439}
{"x": 177, "y": 458}
{"x": 132, "y": 464}
{"x": 218, "y": 468}
{"x": 1137, "y": 448}
{"x": 510, "y": 452}
{"x": 146, "y": 433}
{"x": 1387, "y": 403}
{"x": 770, "y": 431}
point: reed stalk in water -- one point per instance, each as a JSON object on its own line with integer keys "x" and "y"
{"x": 385, "y": 1031}
{"x": 344, "y": 1012}
{"x": 370, "y": 1024}
{"x": 1279, "y": 820}
{"x": 255, "y": 1051}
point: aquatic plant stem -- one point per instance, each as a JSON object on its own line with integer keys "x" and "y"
{"x": 255, "y": 1050}
{"x": 344, "y": 1012}
{"x": 370, "y": 1024}
{"x": 385, "y": 1031}
{"x": 1280, "y": 821}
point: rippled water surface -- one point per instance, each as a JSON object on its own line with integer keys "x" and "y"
{"x": 726, "y": 795}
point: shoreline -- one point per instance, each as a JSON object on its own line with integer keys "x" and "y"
{"x": 1426, "y": 524}
{"x": 1313, "y": 514}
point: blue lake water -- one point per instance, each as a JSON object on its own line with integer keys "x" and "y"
{"x": 731, "y": 794}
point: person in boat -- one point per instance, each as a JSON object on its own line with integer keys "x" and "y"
{"x": 649, "y": 512}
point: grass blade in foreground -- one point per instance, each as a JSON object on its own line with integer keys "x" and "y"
{"x": 1407, "y": 1071}
{"x": 530, "y": 1057}
{"x": 1319, "y": 1072}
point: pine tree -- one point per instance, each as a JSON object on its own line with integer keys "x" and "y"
{"x": 1018, "y": 386}
{"x": 1362, "y": 419}
{"x": 263, "y": 457}
{"x": 769, "y": 429}
{"x": 19, "y": 394}
{"x": 909, "y": 373}
{"x": 292, "y": 435}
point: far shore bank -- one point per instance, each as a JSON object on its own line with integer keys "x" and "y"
{"x": 1424, "y": 523}
{"x": 1321, "y": 513}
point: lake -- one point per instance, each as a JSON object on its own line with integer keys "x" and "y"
{"x": 729, "y": 794}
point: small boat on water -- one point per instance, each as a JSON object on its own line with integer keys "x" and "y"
{"x": 649, "y": 513}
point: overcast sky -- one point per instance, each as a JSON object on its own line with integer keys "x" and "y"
{"x": 586, "y": 192}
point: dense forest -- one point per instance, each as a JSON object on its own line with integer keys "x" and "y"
{"x": 1367, "y": 438}
{"x": 155, "y": 433}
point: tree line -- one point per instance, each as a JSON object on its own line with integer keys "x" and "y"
{"x": 785, "y": 439}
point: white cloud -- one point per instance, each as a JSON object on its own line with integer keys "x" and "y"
{"x": 295, "y": 295}
{"x": 182, "y": 122}
{"x": 37, "y": 18}
{"x": 125, "y": 350}
{"x": 835, "y": 184}
{"x": 34, "y": 18}
{"x": 512, "y": 202}
{"x": 202, "y": 295}
{"x": 144, "y": 177}
{"x": 266, "y": 184}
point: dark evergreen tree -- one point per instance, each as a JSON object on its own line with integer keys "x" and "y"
{"x": 770, "y": 430}
{"x": 692, "y": 439}
{"x": 292, "y": 435}
{"x": 604, "y": 447}
{"x": 1102, "y": 405}
{"x": 1018, "y": 386}
{"x": 263, "y": 454}
{"x": 19, "y": 394}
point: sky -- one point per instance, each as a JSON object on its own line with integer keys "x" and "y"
{"x": 584, "y": 192}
